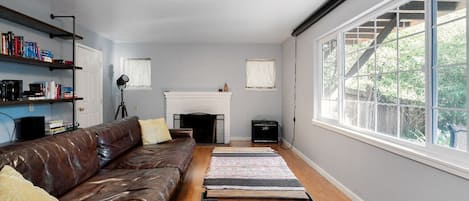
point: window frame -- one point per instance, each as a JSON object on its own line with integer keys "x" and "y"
{"x": 450, "y": 160}
{"x": 274, "y": 88}
{"x": 129, "y": 87}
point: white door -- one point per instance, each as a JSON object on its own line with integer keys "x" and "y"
{"x": 89, "y": 85}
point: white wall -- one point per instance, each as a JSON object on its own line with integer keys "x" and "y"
{"x": 195, "y": 67}
{"x": 370, "y": 172}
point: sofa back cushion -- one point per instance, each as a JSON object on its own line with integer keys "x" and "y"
{"x": 54, "y": 163}
{"x": 116, "y": 138}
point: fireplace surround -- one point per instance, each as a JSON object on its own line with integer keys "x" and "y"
{"x": 178, "y": 102}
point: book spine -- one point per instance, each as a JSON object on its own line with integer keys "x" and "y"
{"x": 58, "y": 91}
{"x": 38, "y": 52}
{"x": 15, "y": 45}
{"x": 10, "y": 43}
{"x": 3, "y": 43}
{"x": 21, "y": 46}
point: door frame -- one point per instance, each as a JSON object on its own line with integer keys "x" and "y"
{"x": 100, "y": 82}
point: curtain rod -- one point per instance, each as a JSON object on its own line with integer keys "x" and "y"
{"x": 316, "y": 16}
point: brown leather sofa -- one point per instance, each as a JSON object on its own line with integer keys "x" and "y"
{"x": 104, "y": 162}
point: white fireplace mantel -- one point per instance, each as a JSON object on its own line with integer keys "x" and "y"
{"x": 178, "y": 102}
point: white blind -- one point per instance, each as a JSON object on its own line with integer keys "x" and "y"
{"x": 139, "y": 72}
{"x": 260, "y": 74}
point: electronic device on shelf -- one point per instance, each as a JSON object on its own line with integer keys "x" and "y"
{"x": 12, "y": 90}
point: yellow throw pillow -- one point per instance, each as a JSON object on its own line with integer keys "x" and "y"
{"x": 10, "y": 171}
{"x": 154, "y": 131}
{"x": 13, "y": 187}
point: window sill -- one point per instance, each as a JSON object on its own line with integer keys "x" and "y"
{"x": 432, "y": 159}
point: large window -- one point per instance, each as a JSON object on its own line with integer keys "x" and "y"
{"x": 400, "y": 74}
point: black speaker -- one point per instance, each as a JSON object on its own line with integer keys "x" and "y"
{"x": 29, "y": 128}
{"x": 264, "y": 131}
{"x": 13, "y": 89}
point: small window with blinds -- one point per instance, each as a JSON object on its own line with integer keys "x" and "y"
{"x": 260, "y": 74}
{"x": 139, "y": 72}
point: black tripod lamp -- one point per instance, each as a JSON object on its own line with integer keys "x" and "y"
{"x": 122, "y": 84}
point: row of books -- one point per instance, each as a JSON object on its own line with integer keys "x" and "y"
{"x": 57, "y": 126}
{"x": 48, "y": 90}
{"x": 16, "y": 46}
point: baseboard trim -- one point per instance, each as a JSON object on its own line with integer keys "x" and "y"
{"x": 349, "y": 193}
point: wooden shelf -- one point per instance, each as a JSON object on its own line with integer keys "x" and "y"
{"x": 33, "y": 23}
{"x": 23, "y": 102}
{"x": 37, "y": 63}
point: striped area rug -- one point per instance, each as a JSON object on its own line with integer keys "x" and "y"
{"x": 251, "y": 172}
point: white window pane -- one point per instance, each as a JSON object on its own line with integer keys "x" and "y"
{"x": 329, "y": 109}
{"x": 386, "y": 57}
{"x": 366, "y": 116}
{"x": 388, "y": 19}
{"x": 451, "y": 42}
{"x": 413, "y": 124}
{"x": 351, "y": 89}
{"x": 387, "y": 88}
{"x": 365, "y": 37}
{"x": 387, "y": 119}
{"x": 451, "y": 86}
{"x": 412, "y": 88}
{"x": 139, "y": 72}
{"x": 452, "y": 129}
{"x": 412, "y": 52}
{"x": 350, "y": 113}
{"x": 367, "y": 62}
{"x": 260, "y": 74}
{"x": 366, "y": 86}
{"x": 330, "y": 73}
{"x": 411, "y": 18}
{"x": 330, "y": 80}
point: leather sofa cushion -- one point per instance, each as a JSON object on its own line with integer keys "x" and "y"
{"x": 116, "y": 138}
{"x": 176, "y": 153}
{"x": 151, "y": 184}
{"x": 54, "y": 163}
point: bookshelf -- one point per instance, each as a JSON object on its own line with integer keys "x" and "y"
{"x": 53, "y": 32}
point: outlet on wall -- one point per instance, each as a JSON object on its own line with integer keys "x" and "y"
{"x": 31, "y": 107}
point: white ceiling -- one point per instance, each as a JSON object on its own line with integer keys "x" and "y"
{"x": 190, "y": 21}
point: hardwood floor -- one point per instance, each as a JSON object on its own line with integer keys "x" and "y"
{"x": 319, "y": 188}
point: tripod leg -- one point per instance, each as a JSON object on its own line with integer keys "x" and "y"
{"x": 124, "y": 112}
{"x": 117, "y": 112}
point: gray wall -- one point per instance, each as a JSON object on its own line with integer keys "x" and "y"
{"x": 41, "y": 10}
{"x": 371, "y": 173}
{"x": 194, "y": 67}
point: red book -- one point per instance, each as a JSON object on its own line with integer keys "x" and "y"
{"x": 15, "y": 46}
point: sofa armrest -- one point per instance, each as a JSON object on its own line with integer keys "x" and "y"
{"x": 181, "y": 132}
